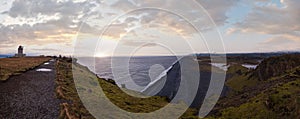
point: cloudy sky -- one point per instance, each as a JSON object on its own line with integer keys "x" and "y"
{"x": 148, "y": 27}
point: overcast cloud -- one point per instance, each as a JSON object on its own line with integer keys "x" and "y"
{"x": 54, "y": 24}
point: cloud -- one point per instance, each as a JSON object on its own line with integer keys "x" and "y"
{"x": 137, "y": 43}
{"x": 115, "y": 31}
{"x": 280, "y": 40}
{"x": 281, "y": 43}
{"x": 217, "y": 9}
{"x": 43, "y": 22}
{"x": 272, "y": 19}
{"x": 157, "y": 16}
{"x": 31, "y": 8}
{"x": 45, "y": 49}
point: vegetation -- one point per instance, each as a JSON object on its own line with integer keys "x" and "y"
{"x": 250, "y": 97}
{"x": 274, "y": 93}
{"x": 276, "y": 66}
{"x": 15, "y": 66}
{"x": 272, "y": 90}
{"x": 88, "y": 84}
{"x": 238, "y": 78}
{"x": 279, "y": 101}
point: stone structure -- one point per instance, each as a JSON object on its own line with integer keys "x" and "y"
{"x": 20, "y": 52}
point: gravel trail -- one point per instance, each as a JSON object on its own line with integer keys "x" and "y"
{"x": 30, "y": 95}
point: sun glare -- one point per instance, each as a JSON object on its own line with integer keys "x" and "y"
{"x": 101, "y": 55}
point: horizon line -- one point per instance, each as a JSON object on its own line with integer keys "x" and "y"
{"x": 164, "y": 54}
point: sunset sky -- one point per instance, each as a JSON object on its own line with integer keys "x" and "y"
{"x": 148, "y": 27}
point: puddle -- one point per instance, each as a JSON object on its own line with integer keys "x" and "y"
{"x": 44, "y": 70}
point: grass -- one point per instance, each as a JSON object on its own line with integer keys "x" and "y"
{"x": 280, "y": 101}
{"x": 88, "y": 88}
{"x": 238, "y": 78}
{"x": 275, "y": 97}
{"x": 15, "y": 66}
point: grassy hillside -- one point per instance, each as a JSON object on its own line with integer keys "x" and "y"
{"x": 89, "y": 82}
{"x": 238, "y": 78}
{"x": 15, "y": 66}
{"x": 274, "y": 94}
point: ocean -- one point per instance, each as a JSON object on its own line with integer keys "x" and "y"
{"x": 4, "y": 56}
{"x": 134, "y": 75}
{"x": 146, "y": 74}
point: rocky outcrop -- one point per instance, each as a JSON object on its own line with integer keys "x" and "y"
{"x": 187, "y": 80}
{"x": 276, "y": 66}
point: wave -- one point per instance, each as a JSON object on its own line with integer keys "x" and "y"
{"x": 160, "y": 77}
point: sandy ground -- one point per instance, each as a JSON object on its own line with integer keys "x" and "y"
{"x": 30, "y": 95}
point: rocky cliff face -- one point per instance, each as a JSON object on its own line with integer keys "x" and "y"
{"x": 272, "y": 91}
{"x": 187, "y": 80}
{"x": 276, "y": 66}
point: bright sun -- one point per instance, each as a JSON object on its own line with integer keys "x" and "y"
{"x": 101, "y": 55}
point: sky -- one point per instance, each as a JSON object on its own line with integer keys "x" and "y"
{"x": 148, "y": 27}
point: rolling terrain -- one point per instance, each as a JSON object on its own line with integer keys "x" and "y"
{"x": 269, "y": 91}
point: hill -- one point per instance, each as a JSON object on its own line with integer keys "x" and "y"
{"x": 270, "y": 91}
{"x": 86, "y": 86}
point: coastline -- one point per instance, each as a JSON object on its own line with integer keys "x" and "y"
{"x": 87, "y": 87}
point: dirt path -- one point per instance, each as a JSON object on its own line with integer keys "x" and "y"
{"x": 30, "y": 95}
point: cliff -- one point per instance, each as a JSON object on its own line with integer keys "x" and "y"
{"x": 276, "y": 66}
{"x": 269, "y": 91}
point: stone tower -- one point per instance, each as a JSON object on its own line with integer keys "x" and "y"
{"x": 20, "y": 52}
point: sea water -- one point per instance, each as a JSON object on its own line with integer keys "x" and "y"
{"x": 133, "y": 72}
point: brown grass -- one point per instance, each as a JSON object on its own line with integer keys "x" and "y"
{"x": 15, "y": 66}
